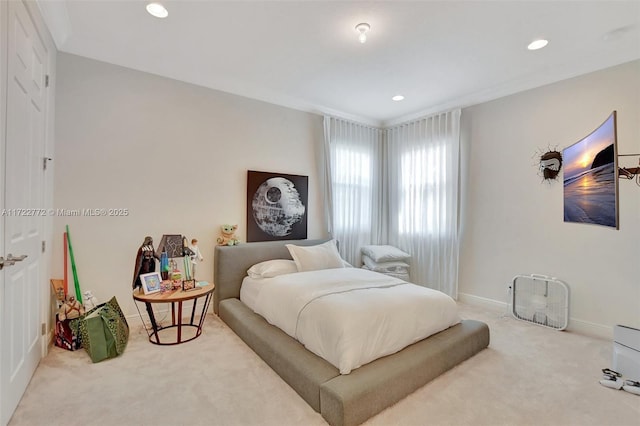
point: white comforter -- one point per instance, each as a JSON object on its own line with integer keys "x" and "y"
{"x": 352, "y": 316}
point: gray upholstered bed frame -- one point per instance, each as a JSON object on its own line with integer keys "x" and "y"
{"x": 343, "y": 400}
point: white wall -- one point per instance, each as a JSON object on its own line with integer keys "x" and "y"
{"x": 513, "y": 222}
{"x": 174, "y": 154}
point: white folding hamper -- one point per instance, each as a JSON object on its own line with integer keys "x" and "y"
{"x": 540, "y": 299}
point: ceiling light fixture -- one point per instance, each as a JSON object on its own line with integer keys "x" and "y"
{"x": 397, "y": 98}
{"x": 157, "y": 10}
{"x": 362, "y": 29}
{"x": 537, "y": 44}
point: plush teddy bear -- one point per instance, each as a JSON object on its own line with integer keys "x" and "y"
{"x": 228, "y": 237}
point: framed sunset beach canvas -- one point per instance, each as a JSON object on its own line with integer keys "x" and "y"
{"x": 591, "y": 177}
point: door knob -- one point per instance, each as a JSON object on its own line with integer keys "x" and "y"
{"x": 12, "y": 258}
{"x": 4, "y": 263}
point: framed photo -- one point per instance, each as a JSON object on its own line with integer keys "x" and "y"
{"x": 151, "y": 282}
{"x": 276, "y": 206}
{"x": 188, "y": 285}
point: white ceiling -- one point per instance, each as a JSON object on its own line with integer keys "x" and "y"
{"x": 306, "y": 55}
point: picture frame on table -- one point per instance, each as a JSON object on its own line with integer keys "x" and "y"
{"x": 188, "y": 285}
{"x": 151, "y": 282}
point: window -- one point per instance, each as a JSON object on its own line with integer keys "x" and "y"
{"x": 398, "y": 186}
{"x": 352, "y": 189}
{"x": 422, "y": 204}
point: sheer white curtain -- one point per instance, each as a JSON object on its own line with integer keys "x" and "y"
{"x": 353, "y": 187}
{"x": 423, "y": 162}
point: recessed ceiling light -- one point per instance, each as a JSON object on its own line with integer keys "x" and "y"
{"x": 157, "y": 10}
{"x": 537, "y": 44}
{"x": 362, "y": 29}
{"x": 397, "y": 98}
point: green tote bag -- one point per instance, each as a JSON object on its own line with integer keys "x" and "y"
{"x": 104, "y": 331}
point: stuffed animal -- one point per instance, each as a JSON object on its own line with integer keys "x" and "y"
{"x": 70, "y": 309}
{"x": 228, "y": 237}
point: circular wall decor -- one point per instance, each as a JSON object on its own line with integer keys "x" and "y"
{"x": 277, "y": 206}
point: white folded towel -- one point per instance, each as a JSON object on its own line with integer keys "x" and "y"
{"x": 394, "y": 266}
{"x": 382, "y": 253}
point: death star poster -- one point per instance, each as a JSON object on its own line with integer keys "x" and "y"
{"x": 276, "y": 206}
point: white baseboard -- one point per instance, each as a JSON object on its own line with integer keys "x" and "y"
{"x": 575, "y": 325}
{"x": 482, "y": 302}
{"x": 590, "y": 328}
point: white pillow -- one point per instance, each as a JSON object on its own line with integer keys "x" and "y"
{"x": 395, "y": 266}
{"x": 272, "y": 268}
{"x": 384, "y": 253}
{"x": 313, "y": 258}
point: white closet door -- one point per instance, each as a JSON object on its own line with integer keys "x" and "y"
{"x": 21, "y": 283}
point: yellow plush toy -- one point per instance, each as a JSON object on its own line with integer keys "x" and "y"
{"x": 228, "y": 237}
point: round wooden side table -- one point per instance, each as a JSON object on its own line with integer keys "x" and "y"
{"x": 175, "y": 298}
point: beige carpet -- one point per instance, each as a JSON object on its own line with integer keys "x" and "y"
{"x": 529, "y": 375}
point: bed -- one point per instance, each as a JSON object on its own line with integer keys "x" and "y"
{"x": 342, "y": 399}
